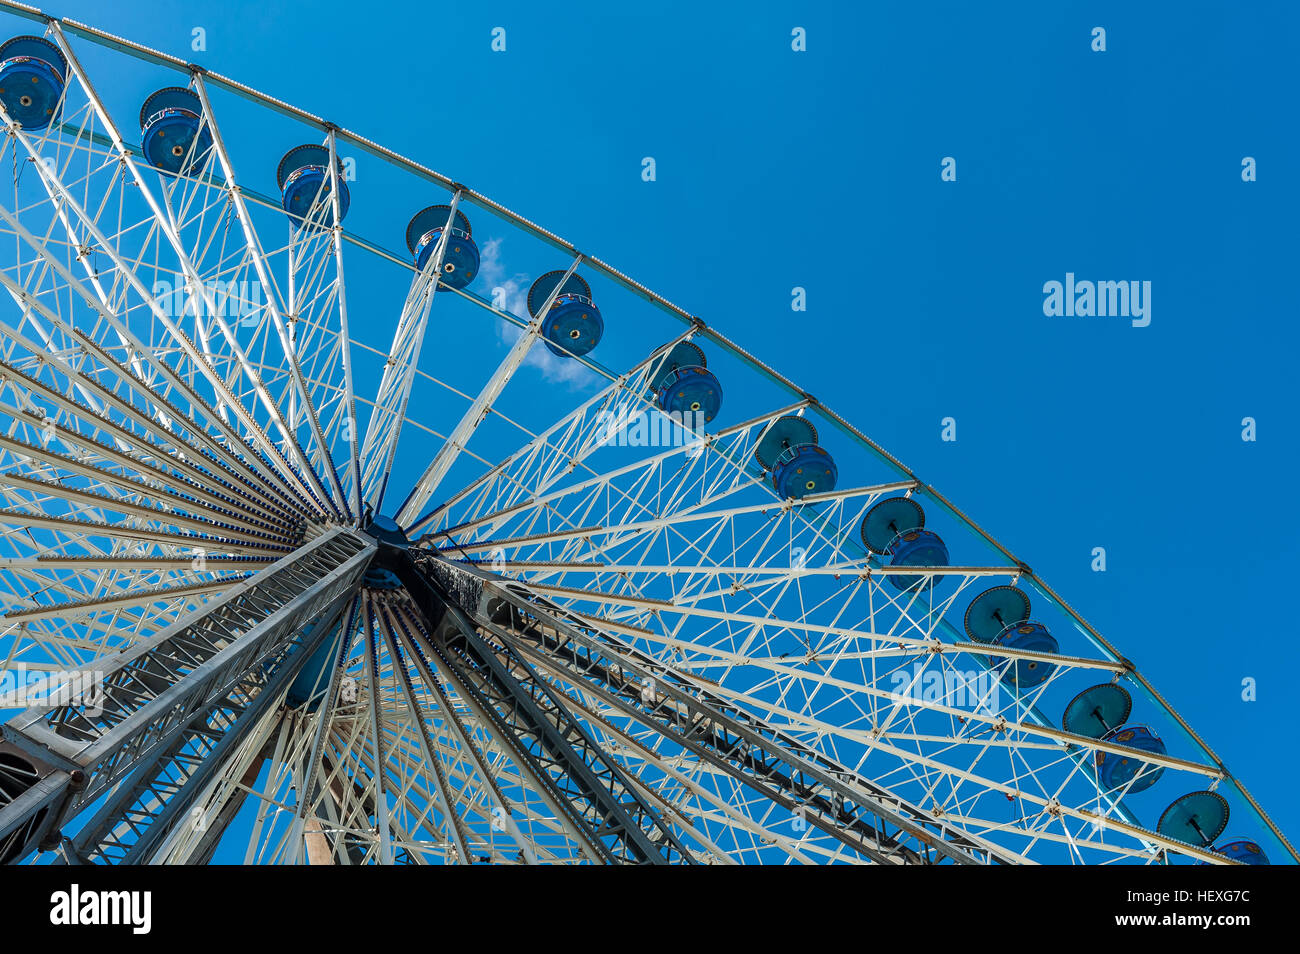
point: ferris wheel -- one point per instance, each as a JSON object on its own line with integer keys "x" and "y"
{"x": 328, "y": 538}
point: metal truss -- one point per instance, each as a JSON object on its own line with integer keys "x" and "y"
{"x": 829, "y": 795}
{"x": 138, "y": 814}
{"x": 616, "y": 823}
{"x": 167, "y": 697}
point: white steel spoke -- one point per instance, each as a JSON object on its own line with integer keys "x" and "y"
{"x": 428, "y": 482}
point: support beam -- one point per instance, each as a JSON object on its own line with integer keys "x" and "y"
{"x": 140, "y": 812}
{"x": 626, "y": 828}
{"x": 834, "y": 799}
{"x": 152, "y": 692}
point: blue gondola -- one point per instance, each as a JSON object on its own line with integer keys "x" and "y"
{"x": 173, "y": 136}
{"x": 895, "y": 527}
{"x": 802, "y": 470}
{"x": 784, "y": 432}
{"x": 1197, "y": 818}
{"x": 684, "y": 387}
{"x": 1098, "y": 710}
{"x": 572, "y": 325}
{"x": 460, "y": 260}
{"x": 33, "y": 74}
{"x": 1031, "y": 637}
{"x": 799, "y": 467}
{"x": 1117, "y": 771}
{"x": 994, "y": 611}
{"x": 1246, "y": 852}
{"x": 691, "y": 395}
{"x": 303, "y": 176}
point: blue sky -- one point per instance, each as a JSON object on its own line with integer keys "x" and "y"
{"x": 822, "y": 169}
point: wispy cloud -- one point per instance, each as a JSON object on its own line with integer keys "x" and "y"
{"x": 513, "y": 291}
